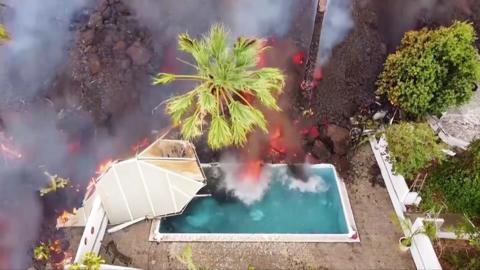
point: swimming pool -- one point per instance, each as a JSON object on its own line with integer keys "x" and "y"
{"x": 289, "y": 210}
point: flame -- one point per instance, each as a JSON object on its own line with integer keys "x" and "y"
{"x": 56, "y": 246}
{"x": 318, "y": 74}
{"x": 261, "y": 58}
{"x": 63, "y": 218}
{"x": 299, "y": 58}
{"x": 74, "y": 147}
{"x": 140, "y": 145}
{"x": 104, "y": 166}
{"x": 276, "y": 141}
{"x": 7, "y": 150}
{"x": 251, "y": 170}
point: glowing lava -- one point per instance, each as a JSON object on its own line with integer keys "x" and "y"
{"x": 140, "y": 145}
{"x": 251, "y": 170}
{"x": 299, "y": 58}
{"x": 103, "y": 167}
{"x": 7, "y": 149}
{"x": 276, "y": 141}
{"x": 63, "y": 218}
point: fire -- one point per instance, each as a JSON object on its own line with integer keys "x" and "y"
{"x": 276, "y": 141}
{"x": 318, "y": 74}
{"x": 299, "y": 58}
{"x": 74, "y": 147}
{"x": 140, "y": 145}
{"x": 7, "y": 149}
{"x": 56, "y": 246}
{"x": 64, "y": 217}
{"x": 261, "y": 58}
{"x": 251, "y": 170}
{"x": 103, "y": 167}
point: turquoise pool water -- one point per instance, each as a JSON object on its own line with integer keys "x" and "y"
{"x": 281, "y": 210}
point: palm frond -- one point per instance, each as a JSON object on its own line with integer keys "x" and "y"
{"x": 191, "y": 127}
{"x": 217, "y": 41}
{"x": 246, "y": 51}
{"x": 220, "y": 134}
{"x": 206, "y": 101}
{"x": 178, "y": 106}
{"x": 163, "y": 78}
{"x": 273, "y": 77}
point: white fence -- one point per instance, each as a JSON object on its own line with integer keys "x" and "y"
{"x": 422, "y": 251}
{"x": 94, "y": 232}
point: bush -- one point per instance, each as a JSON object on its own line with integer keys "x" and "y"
{"x": 432, "y": 70}
{"x": 412, "y": 147}
{"x": 458, "y": 180}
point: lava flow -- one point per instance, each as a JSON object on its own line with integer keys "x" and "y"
{"x": 8, "y": 151}
{"x": 104, "y": 165}
{"x": 251, "y": 170}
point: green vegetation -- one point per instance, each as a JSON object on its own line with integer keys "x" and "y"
{"x": 227, "y": 84}
{"x": 3, "y": 33}
{"x": 412, "y": 147}
{"x": 41, "y": 252}
{"x": 55, "y": 183}
{"x": 90, "y": 261}
{"x": 186, "y": 258}
{"x": 458, "y": 182}
{"x": 432, "y": 70}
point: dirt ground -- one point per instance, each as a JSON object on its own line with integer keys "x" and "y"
{"x": 372, "y": 210}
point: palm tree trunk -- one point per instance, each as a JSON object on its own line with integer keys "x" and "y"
{"x": 307, "y": 83}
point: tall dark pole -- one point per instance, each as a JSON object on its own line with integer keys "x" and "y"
{"x": 308, "y": 77}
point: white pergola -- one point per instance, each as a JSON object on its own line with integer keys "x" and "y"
{"x": 160, "y": 181}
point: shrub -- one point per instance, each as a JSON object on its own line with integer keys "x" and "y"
{"x": 412, "y": 147}
{"x": 458, "y": 180}
{"x": 432, "y": 70}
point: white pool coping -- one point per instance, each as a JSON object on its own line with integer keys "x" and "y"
{"x": 351, "y": 237}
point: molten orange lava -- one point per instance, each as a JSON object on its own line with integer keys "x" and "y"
{"x": 251, "y": 170}
{"x": 140, "y": 145}
{"x": 318, "y": 74}
{"x": 276, "y": 141}
{"x": 299, "y": 58}
{"x": 104, "y": 166}
{"x": 63, "y": 218}
{"x": 9, "y": 152}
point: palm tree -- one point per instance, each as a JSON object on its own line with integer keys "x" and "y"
{"x": 228, "y": 86}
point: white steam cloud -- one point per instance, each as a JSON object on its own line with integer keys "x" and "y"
{"x": 337, "y": 23}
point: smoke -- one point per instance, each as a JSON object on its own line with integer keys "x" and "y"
{"x": 337, "y": 23}
{"x": 40, "y": 32}
{"x": 398, "y": 16}
{"x": 250, "y": 191}
{"x": 258, "y": 18}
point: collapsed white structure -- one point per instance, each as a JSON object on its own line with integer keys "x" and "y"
{"x": 158, "y": 182}
{"x": 459, "y": 126}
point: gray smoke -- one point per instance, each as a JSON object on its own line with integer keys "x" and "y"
{"x": 247, "y": 17}
{"x": 337, "y": 23}
{"x": 39, "y": 31}
{"x": 40, "y": 38}
{"x": 398, "y": 16}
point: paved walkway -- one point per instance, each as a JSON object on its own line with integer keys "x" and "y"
{"x": 372, "y": 209}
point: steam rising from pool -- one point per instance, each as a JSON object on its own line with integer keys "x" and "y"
{"x": 250, "y": 191}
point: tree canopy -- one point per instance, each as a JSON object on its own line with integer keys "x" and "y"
{"x": 432, "y": 70}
